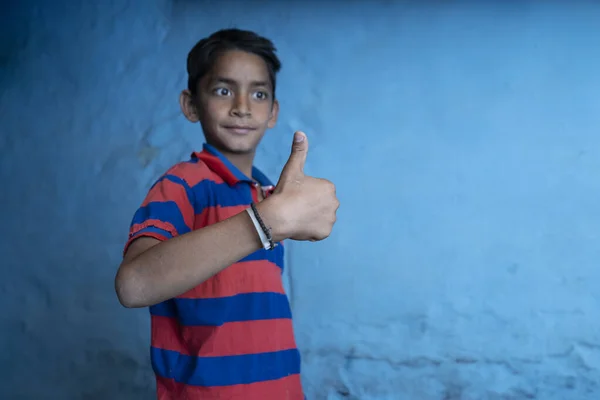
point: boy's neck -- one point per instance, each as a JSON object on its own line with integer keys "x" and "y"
{"x": 243, "y": 162}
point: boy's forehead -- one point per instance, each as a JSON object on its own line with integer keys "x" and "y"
{"x": 239, "y": 66}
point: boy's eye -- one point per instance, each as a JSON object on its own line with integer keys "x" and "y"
{"x": 222, "y": 92}
{"x": 261, "y": 95}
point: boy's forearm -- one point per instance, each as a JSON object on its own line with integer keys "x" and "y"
{"x": 175, "y": 266}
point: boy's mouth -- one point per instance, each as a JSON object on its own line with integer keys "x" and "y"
{"x": 240, "y": 129}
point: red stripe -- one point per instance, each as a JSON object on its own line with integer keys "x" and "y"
{"x": 288, "y": 388}
{"x": 243, "y": 277}
{"x": 215, "y": 164}
{"x": 194, "y": 173}
{"x": 154, "y": 235}
{"x": 230, "y": 339}
{"x": 212, "y": 215}
{"x": 155, "y": 223}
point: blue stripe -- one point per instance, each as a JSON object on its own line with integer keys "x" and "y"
{"x": 152, "y": 229}
{"x": 178, "y": 180}
{"x": 211, "y": 194}
{"x": 167, "y": 211}
{"x": 228, "y": 370}
{"x": 260, "y": 177}
{"x": 275, "y": 256}
{"x": 218, "y": 311}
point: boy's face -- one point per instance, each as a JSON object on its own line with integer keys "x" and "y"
{"x": 234, "y": 103}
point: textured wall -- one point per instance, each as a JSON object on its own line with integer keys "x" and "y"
{"x": 464, "y": 142}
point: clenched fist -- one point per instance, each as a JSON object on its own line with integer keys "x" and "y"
{"x": 301, "y": 207}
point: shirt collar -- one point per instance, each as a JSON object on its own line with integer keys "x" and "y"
{"x": 219, "y": 164}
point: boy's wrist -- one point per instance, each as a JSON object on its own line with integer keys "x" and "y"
{"x": 272, "y": 215}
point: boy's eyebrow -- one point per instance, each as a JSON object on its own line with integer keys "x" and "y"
{"x": 260, "y": 83}
{"x": 233, "y": 82}
{"x": 220, "y": 79}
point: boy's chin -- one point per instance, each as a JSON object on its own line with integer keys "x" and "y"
{"x": 238, "y": 148}
{"x": 242, "y": 151}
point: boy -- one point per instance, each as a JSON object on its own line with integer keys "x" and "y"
{"x": 205, "y": 249}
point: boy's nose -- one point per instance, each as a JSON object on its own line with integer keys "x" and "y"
{"x": 240, "y": 108}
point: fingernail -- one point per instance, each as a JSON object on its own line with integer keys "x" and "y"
{"x": 298, "y": 137}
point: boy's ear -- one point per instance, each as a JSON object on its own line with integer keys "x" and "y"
{"x": 188, "y": 106}
{"x": 274, "y": 114}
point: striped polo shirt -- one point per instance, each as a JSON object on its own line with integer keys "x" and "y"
{"x": 231, "y": 337}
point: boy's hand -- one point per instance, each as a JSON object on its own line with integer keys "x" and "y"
{"x": 301, "y": 207}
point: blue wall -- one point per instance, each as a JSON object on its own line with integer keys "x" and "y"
{"x": 463, "y": 138}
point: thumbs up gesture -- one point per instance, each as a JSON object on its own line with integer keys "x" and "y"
{"x": 302, "y": 207}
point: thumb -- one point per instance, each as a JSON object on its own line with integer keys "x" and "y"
{"x": 295, "y": 164}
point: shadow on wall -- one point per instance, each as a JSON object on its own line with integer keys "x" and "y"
{"x": 14, "y": 34}
{"x": 63, "y": 335}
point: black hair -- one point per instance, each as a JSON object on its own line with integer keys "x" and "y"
{"x": 204, "y": 54}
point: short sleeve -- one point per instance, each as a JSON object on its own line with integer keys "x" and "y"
{"x": 166, "y": 212}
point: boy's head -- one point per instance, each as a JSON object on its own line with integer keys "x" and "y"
{"x": 231, "y": 89}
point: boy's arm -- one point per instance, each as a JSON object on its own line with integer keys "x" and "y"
{"x": 153, "y": 271}
{"x": 301, "y": 208}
